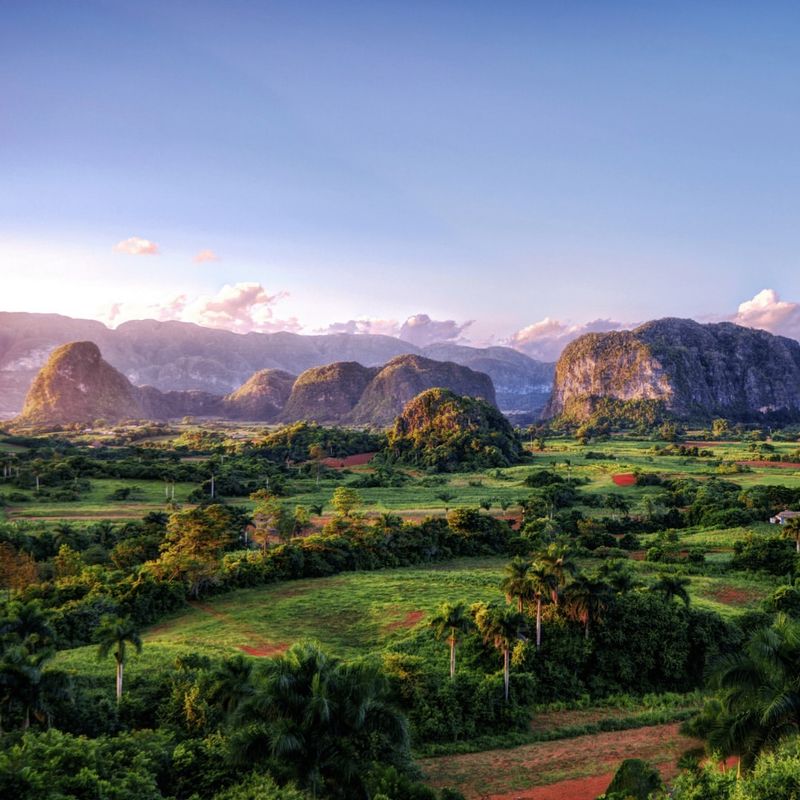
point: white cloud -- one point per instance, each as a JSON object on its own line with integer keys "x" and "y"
{"x": 544, "y": 340}
{"x": 136, "y": 246}
{"x": 206, "y": 255}
{"x": 421, "y": 330}
{"x": 767, "y": 311}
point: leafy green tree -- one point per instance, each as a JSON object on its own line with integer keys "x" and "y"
{"x": 270, "y": 518}
{"x": 345, "y": 501}
{"x": 618, "y": 575}
{"x": 193, "y": 546}
{"x": 116, "y": 633}
{"x": 502, "y": 627}
{"x": 231, "y": 683}
{"x": 672, "y": 587}
{"x": 452, "y": 620}
{"x": 719, "y": 428}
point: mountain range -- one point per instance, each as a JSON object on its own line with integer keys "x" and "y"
{"x": 180, "y": 356}
{"x": 76, "y": 385}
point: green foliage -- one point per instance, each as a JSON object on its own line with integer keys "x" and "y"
{"x": 634, "y": 780}
{"x": 441, "y": 431}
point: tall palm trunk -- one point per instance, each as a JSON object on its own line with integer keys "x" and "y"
{"x": 538, "y": 622}
{"x": 120, "y": 668}
{"x": 519, "y": 604}
{"x": 506, "y": 659}
{"x": 452, "y": 655}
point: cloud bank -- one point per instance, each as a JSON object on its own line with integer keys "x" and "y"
{"x": 204, "y": 256}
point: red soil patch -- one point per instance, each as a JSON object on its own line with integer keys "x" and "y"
{"x": 265, "y": 650}
{"x": 409, "y": 621}
{"x": 777, "y": 464}
{"x": 638, "y": 555}
{"x": 735, "y": 597}
{"x": 577, "y": 788}
{"x": 358, "y": 460}
{"x": 624, "y": 479}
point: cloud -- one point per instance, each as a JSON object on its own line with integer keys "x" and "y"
{"x": 544, "y": 340}
{"x": 241, "y": 307}
{"x": 206, "y": 255}
{"x": 767, "y": 311}
{"x": 380, "y": 327}
{"x": 421, "y": 330}
{"x": 137, "y": 247}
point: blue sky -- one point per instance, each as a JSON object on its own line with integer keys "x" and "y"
{"x": 497, "y": 162}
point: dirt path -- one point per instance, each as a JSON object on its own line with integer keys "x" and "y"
{"x": 569, "y": 769}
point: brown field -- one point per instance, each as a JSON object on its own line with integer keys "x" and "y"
{"x": 568, "y": 769}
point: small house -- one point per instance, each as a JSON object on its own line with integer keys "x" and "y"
{"x": 783, "y": 517}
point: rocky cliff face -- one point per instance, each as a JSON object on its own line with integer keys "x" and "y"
{"x": 328, "y": 394}
{"x": 698, "y": 371}
{"x": 76, "y": 385}
{"x": 178, "y": 356}
{"x": 404, "y": 377}
{"x": 262, "y": 397}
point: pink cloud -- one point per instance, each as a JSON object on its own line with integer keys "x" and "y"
{"x": 137, "y": 247}
{"x": 206, "y": 255}
{"x": 768, "y": 312}
{"x": 241, "y": 307}
{"x": 544, "y": 340}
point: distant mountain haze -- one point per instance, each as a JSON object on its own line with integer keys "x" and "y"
{"x": 181, "y": 356}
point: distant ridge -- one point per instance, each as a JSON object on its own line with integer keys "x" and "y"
{"x": 77, "y": 386}
{"x": 181, "y": 356}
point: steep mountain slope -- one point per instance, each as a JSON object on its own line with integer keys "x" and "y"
{"x": 262, "y": 397}
{"x": 445, "y": 431}
{"x": 76, "y": 385}
{"x": 521, "y": 383}
{"x": 404, "y": 377}
{"x": 328, "y": 394}
{"x": 698, "y": 371}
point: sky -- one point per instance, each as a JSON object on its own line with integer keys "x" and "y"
{"x": 487, "y": 172}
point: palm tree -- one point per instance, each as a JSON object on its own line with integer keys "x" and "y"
{"x": 231, "y": 683}
{"x": 619, "y": 576}
{"x": 791, "y": 530}
{"x": 501, "y": 626}
{"x": 543, "y": 584}
{"x": 116, "y": 633}
{"x": 673, "y": 586}
{"x": 28, "y": 624}
{"x": 452, "y": 621}
{"x": 760, "y": 700}
{"x": 516, "y": 584}
{"x": 319, "y": 721}
{"x": 586, "y": 599}
{"x": 561, "y": 563}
